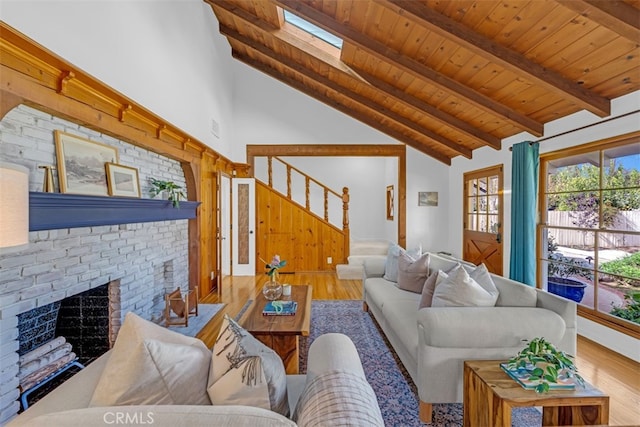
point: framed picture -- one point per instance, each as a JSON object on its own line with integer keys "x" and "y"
{"x": 390, "y": 202}
{"x": 81, "y": 163}
{"x": 428, "y": 198}
{"x": 123, "y": 181}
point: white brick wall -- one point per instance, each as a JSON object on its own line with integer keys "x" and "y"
{"x": 61, "y": 263}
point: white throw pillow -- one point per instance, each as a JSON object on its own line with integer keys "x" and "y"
{"x": 151, "y": 365}
{"x": 436, "y": 276}
{"x": 481, "y": 275}
{"x": 412, "y": 274}
{"x": 460, "y": 290}
{"x": 244, "y": 371}
{"x": 391, "y": 265}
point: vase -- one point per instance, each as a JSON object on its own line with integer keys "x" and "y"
{"x": 565, "y": 287}
{"x": 272, "y": 290}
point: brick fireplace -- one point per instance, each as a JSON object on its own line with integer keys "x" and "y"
{"x": 144, "y": 259}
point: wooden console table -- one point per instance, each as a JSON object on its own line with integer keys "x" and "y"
{"x": 281, "y": 333}
{"x": 490, "y": 395}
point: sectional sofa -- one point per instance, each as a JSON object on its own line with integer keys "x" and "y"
{"x": 433, "y": 342}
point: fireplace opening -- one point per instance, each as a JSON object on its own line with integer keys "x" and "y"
{"x": 56, "y": 340}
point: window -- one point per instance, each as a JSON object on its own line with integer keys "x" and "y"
{"x": 589, "y": 232}
{"x": 312, "y": 29}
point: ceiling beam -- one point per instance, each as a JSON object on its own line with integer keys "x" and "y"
{"x": 388, "y": 90}
{"x": 509, "y": 59}
{"x": 618, "y": 16}
{"x": 356, "y": 97}
{"x": 417, "y": 69}
{"x": 366, "y": 119}
{"x": 442, "y": 116}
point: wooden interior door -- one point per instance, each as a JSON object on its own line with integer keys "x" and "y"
{"x": 243, "y": 224}
{"x": 482, "y": 228}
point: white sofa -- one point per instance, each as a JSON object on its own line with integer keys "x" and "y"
{"x": 68, "y": 405}
{"x": 433, "y": 343}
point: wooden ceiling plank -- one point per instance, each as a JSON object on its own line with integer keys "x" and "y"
{"x": 428, "y": 109}
{"x": 508, "y": 58}
{"x": 366, "y": 119}
{"x": 420, "y": 70}
{"x": 616, "y": 15}
{"x": 360, "y": 99}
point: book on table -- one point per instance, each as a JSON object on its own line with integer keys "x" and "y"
{"x": 280, "y": 308}
{"x": 521, "y": 376}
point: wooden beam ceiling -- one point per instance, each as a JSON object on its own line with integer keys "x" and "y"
{"x": 445, "y": 78}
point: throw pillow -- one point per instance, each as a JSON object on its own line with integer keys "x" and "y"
{"x": 483, "y": 277}
{"x": 430, "y": 285}
{"x": 391, "y": 265}
{"x": 244, "y": 371}
{"x": 460, "y": 290}
{"x": 412, "y": 273}
{"x": 151, "y": 365}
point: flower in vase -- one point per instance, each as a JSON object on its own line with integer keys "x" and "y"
{"x": 274, "y": 266}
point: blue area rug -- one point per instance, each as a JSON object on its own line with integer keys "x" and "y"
{"x": 396, "y": 392}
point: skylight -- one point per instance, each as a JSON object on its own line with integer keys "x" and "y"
{"x": 312, "y": 29}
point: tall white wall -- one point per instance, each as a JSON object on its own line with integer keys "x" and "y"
{"x": 487, "y": 157}
{"x": 167, "y": 56}
{"x": 269, "y": 112}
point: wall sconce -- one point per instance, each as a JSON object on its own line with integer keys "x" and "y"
{"x": 14, "y": 205}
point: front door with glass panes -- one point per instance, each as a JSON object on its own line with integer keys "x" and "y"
{"x": 482, "y": 228}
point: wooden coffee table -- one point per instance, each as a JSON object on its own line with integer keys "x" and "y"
{"x": 490, "y": 394}
{"x": 281, "y": 333}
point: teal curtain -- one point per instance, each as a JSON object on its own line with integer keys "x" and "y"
{"x": 524, "y": 194}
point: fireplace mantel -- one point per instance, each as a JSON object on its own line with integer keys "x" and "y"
{"x": 50, "y": 211}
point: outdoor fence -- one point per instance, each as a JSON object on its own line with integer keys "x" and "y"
{"x": 624, "y": 221}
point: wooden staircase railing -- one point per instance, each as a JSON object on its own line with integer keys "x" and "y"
{"x": 344, "y": 197}
{"x": 328, "y": 194}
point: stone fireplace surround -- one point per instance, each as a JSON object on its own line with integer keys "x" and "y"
{"x": 146, "y": 258}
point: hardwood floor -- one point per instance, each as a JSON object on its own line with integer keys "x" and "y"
{"x": 616, "y": 375}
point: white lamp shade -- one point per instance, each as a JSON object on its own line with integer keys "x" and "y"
{"x": 14, "y": 205}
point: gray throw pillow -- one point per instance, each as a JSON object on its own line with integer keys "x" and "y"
{"x": 412, "y": 273}
{"x": 391, "y": 265}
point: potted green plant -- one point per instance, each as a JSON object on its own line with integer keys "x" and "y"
{"x": 563, "y": 274}
{"x": 173, "y": 191}
{"x": 545, "y": 363}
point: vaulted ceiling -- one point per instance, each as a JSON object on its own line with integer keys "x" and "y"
{"x": 445, "y": 77}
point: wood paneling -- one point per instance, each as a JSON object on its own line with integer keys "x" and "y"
{"x": 446, "y": 77}
{"x": 302, "y": 239}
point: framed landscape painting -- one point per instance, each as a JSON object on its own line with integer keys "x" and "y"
{"x": 122, "y": 180}
{"x": 81, "y": 164}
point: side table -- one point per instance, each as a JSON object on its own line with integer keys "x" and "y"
{"x": 489, "y": 395}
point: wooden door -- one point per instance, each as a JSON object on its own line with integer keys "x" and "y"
{"x": 243, "y": 225}
{"x": 482, "y": 228}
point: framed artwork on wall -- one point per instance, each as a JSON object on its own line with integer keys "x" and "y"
{"x": 81, "y": 164}
{"x": 390, "y": 202}
{"x": 122, "y": 181}
{"x": 428, "y": 198}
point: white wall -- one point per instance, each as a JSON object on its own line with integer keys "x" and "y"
{"x": 486, "y": 157}
{"x": 167, "y": 56}
{"x": 300, "y": 119}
